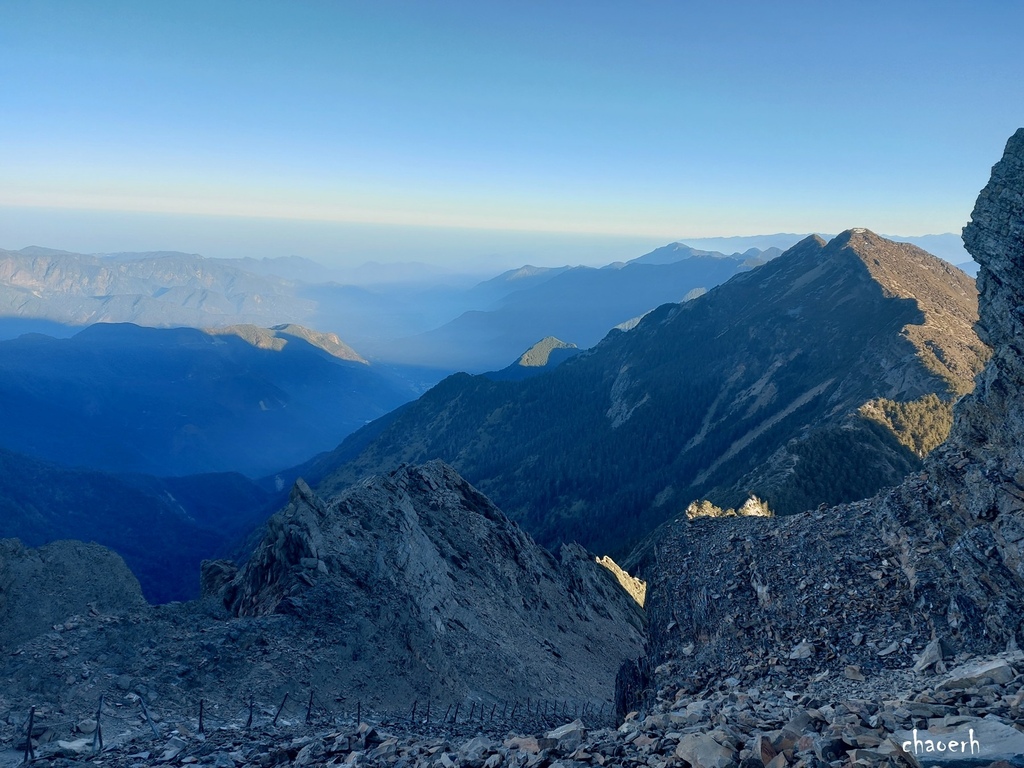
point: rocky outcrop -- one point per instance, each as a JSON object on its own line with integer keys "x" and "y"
{"x": 540, "y": 354}
{"x": 989, "y": 423}
{"x": 52, "y": 584}
{"x": 637, "y": 588}
{"x": 973, "y": 585}
{"x": 434, "y": 580}
{"x": 938, "y": 562}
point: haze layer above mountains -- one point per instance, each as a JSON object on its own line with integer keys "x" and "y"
{"x": 409, "y": 315}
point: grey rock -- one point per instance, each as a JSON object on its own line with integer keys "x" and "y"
{"x": 475, "y": 749}
{"x": 442, "y": 585}
{"x": 931, "y": 655}
{"x": 44, "y": 586}
{"x": 701, "y": 750}
{"x": 976, "y": 674}
{"x": 568, "y": 736}
{"x": 215, "y": 575}
{"x": 803, "y": 650}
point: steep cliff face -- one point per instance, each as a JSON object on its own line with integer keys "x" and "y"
{"x": 422, "y": 571}
{"x": 975, "y": 488}
{"x": 874, "y": 583}
{"x": 989, "y": 423}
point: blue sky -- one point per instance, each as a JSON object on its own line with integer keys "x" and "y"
{"x": 505, "y": 128}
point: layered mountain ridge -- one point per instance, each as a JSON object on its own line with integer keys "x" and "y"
{"x": 436, "y": 321}
{"x": 755, "y": 387}
{"x": 577, "y": 305}
{"x": 156, "y": 289}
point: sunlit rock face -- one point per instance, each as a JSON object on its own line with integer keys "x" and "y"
{"x": 975, "y": 502}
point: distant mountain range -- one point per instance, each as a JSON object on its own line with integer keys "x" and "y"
{"x": 819, "y": 377}
{"x": 410, "y": 313}
{"x": 122, "y": 398}
{"x": 154, "y": 289}
{"x": 578, "y": 305}
{"x": 673, "y": 252}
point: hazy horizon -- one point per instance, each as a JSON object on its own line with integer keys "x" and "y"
{"x": 493, "y": 135}
{"x": 347, "y": 245}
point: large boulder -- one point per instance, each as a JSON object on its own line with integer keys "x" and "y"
{"x": 44, "y": 586}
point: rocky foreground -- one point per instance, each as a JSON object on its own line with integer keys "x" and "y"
{"x": 970, "y": 716}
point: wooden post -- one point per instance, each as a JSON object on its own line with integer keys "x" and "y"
{"x": 201, "y": 728}
{"x": 149, "y": 720}
{"x": 472, "y": 709}
{"x": 428, "y": 711}
{"x": 446, "y": 712}
{"x": 495, "y": 707}
{"x": 283, "y": 701}
{"x": 504, "y": 706}
{"x": 309, "y": 708}
{"x": 527, "y": 706}
{"x": 412, "y": 717}
{"x": 30, "y": 753}
{"x": 359, "y": 713}
{"x": 515, "y": 706}
{"x": 455, "y": 714}
{"x": 97, "y": 735}
{"x": 248, "y": 723}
